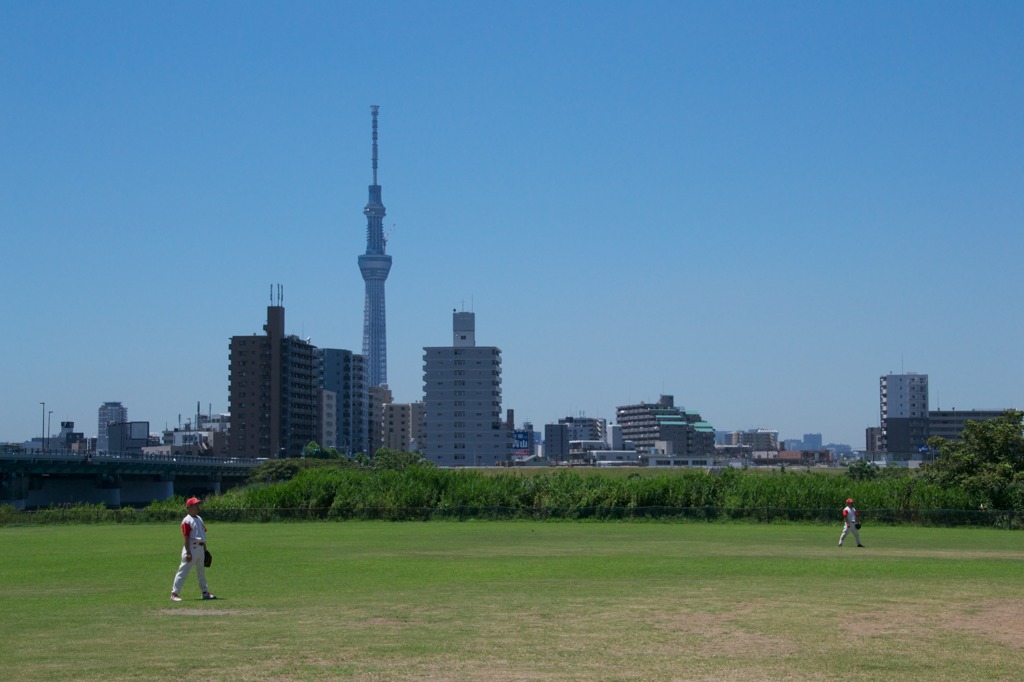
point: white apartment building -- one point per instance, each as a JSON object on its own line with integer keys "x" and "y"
{"x": 462, "y": 400}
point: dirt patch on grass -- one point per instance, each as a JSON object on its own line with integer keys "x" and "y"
{"x": 383, "y": 620}
{"x": 963, "y": 554}
{"x": 996, "y": 621}
{"x": 999, "y": 621}
{"x": 896, "y": 623}
{"x": 198, "y": 612}
{"x": 724, "y": 634}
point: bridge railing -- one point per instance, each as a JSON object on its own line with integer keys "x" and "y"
{"x": 126, "y": 457}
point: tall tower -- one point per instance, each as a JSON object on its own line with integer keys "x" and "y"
{"x": 375, "y": 266}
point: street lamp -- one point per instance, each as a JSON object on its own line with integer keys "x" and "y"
{"x": 49, "y": 416}
{"x": 42, "y": 435}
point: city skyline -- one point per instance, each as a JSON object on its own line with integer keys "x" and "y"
{"x": 757, "y": 209}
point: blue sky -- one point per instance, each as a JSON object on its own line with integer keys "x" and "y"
{"x": 759, "y": 208}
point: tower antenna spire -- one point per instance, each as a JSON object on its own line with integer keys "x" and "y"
{"x": 373, "y": 110}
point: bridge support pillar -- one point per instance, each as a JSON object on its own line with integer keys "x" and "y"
{"x": 144, "y": 492}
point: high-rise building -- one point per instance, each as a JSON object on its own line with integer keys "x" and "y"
{"x": 646, "y": 423}
{"x": 380, "y": 396}
{"x": 419, "y": 427}
{"x": 585, "y": 428}
{"x": 903, "y": 406}
{"x": 274, "y": 391}
{"x": 375, "y": 265}
{"x": 462, "y": 396}
{"x": 344, "y": 373}
{"x": 328, "y": 419}
{"x": 403, "y": 426}
{"x": 109, "y": 413}
{"x": 556, "y": 442}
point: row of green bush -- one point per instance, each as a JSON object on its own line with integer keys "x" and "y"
{"x": 427, "y": 492}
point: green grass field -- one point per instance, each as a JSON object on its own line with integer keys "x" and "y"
{"x": 514, "y": 601}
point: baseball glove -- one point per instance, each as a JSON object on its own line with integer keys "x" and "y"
{"x": 208, "y": 559}
{"x": 856, "y": 525}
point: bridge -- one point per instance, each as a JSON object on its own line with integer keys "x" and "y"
{"x": 30, "y": 480}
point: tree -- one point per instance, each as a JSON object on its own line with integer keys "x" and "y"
{"x": 987, "y": 461}
{"x": 275, "y": 470}
{"x": 397, "y": 460}
{"x": 314, "y": 451}
{"x": 862, "y": 470}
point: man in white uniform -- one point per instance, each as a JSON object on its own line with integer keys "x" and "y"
{"x": 193, "y": 553}
{"x": 850, "y": 523}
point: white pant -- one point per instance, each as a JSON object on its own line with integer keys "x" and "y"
{"x": 847, "y": 527}
{"x": 198, "y": 556}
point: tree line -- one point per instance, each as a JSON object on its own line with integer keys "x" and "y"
{"x": 978, "y": 479}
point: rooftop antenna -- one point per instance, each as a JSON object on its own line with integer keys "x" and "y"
{"x": 277, "y": 299}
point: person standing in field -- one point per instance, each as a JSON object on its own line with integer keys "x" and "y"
{"x": 193, "y": 554}
{"x": 850, "y": 523}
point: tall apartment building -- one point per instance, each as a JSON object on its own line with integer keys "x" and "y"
{"x": 646, "y": 423}
{"x": 585, "y": 428}
{"x": 419, "y": 427}
{"x": 380, "y": 396}
{"x": 344, "y": 373}
{"x": 556, "y": 442}
{"x": 328, "y": 419}
{"x": 462, "y": 399}
{"x": 903, "y": 403}
{"x": 109, "y": 413}
{"x": 403, "y": 426}
{"x": 274, "y": 391}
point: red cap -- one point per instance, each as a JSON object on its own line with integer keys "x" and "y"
{"x": 849, "y": 501}
{"x": 191, "y": 501}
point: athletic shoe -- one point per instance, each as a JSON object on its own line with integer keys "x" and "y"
{"x": 860, "y": 545}
{"x": 208, "y": 596}
{"x": 175, "y": 597}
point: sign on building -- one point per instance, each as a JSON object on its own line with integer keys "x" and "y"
{"x": 521, "y": 443}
